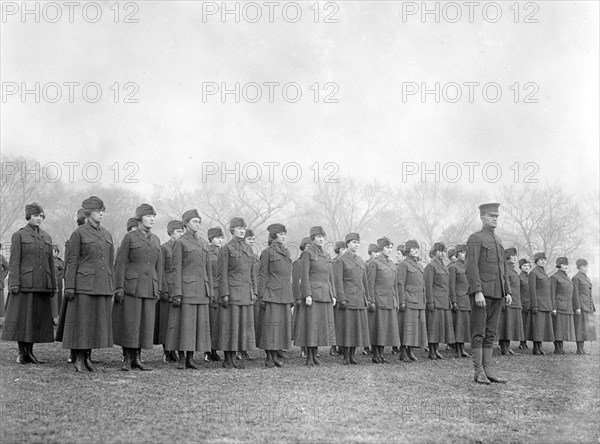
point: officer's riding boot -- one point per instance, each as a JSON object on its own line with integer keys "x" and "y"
{"x": 403, "y": 355}
{"x": 189, "y": 361}
{"x": 488, "y": 363}
{"x": 31, "y": 356}
{"x": 87, "y": 361}
{"x": 181, "y": 360}
{"x": 437, "y": 352}
{"x": 556, "y": 348}
{"x": 79, "y": 361}
{"x": 411, "y": 355}
{"x": 480, "y": 377}
{"x": 431, "y": 354}
{"x": 275, "y": 358}
{"x": 126, "y": 365}
{"x": 503, "y": 349}
{"x": 346, "y": 360}
{"x": 234, "y": 361}
{"x": 315, "y": 356}
{"x": 352, "y": 352}
{"x": 22, "y": 357}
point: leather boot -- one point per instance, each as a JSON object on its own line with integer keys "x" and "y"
{"x": 431, "y": 354}
{"x": 79, "y": 357}
{"x": 214, "y": 356}
{"x": 206, "y": 356}
{"x": 181, "y": 360}
{"x": 463, "y": 352}
{"x": 173, "y": 357}
{"x": 503, "y": 347}
{"x": 352, "y": 357}
{"x": 487, "y": 362}
{"x": 541, "y": 349}
{"x": 510, "y": 352}
{"x": 71, "y": 359}
{"x": 457, "y": 349}
{"x": 560, "y": 346}
{"x": 227, "y": 360}
{"x": 136, "y": 363}
{"x": 366, "y": 351}
{"x": 583, "y": 349}
{"x": 395, "y": 350}
{"x": 333, "y": 351}
{"x": 556, "y": 348}
{"x": 579, "y": 345}
{"x": 309, "y": 357}
{"x": 346, "y": 360}
{"x": 31, "y": 356}
{"x": 315, "y": 356}
{"x": 281, "y": 354}
{"x": 436, "y": 351}
{"x": 381, "y": 355}
{"x": 235, "y": 363}
{"x": 22, "y": 357}
{"x": 403, "y": 355}
{"x": 375, "y": 358}
{"x": 269, "y": 360}
{"x": 189, "y": 361}
{"x": 523, "y": 345}
{"x": 87, "y": 361}
{"x": 479, "y": 377}
{"x": 536, "y": 348}
{"x": 126, "y": 365}
{"x": 410, "y": 354}
{"x": 275, "y": 358}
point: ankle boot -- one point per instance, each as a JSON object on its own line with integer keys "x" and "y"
{"x": 375, "y": 355}
{"x": 214, "y": 356}
{"x": 403, "y": 355}
{"x": 431, "y": 354}
{"x": 22, "y": 357}
{"x": 189, "y": 361}
{"x": 227, "y": 359}
{"x": 136, "y": 362}
{"x": 234, "y": 361}
{"x": 30, "y": 355}
{"x": 71, "y": 359}
{"x": 556, "y": 348}
{"x": 503, "y": 349}
{"x": 309, "y": 357}
{"x": 275, "y": 358}
{"x": 352, "y": 357}
{"x": 560, "y": 347}
{"x": 541, "y": 348}
{"x": 457, "y": 349}
{"x": 463, "y": 352}
{"x": 269, "y": 359}
{"x": 126, "y": 365}
{"x": 173, "y": 357}
{"x": 479, "y": 376}
{"x": 381, "y": 355}
{"x": 410, "y": 354}
{"x": 315, "y": 355}
{"x": 579, "y": 347}
{"x": 488, "y": 363}
{"x": 523, "y": 345}
{"x": 536, "y": 348}
{"x": 436, "y": 351}
{"x": 79, "y": 358}
{"x": 181, "y": 360}
{"x": 510, "y": 352}
{"x": 87, "y": 361}
{"x": 346, "y": 360}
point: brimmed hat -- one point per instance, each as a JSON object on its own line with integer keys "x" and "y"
{"x": 237, "y": 222}
{"x": 274, "y": 229}
{"x": 510, "y": 252}
{"x": 132, "y": 222}
{"x": 561, "y": 261}
{"x": 144, "y": 210}
{"x": 580, "y": 263}
{"x": 93, "y": 203}
{"x": 316, "y": 231}
{"x": 351, "y": 237}
{"x": 538, "y": 256}
{"x": 33, "y": 208}
{"x": 489, "y": 208}
{"x": 189, "y": 215}
{"x": 214, "y": 232}
{"x": 523, "y": 262}
{"x": 174, "y": 225}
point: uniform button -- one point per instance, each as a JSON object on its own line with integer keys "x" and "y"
{"x": 103, "y": 268}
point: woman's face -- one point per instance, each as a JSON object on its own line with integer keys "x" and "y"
{"x": 583, "y": 269}
{"x": 353, "y": 246}
{"x": 193, "y": 224}
{"x": 177, "y": 233}
{"x": 249, "y": 240}
{"x": 281, "y": 237}
{"x": 414, "y": 252}
{"x": 526, "y": 267}
{"x": 512, "y": 259}
{"x": 239, "y": 232}
{"x": 148, "y": 221}
{"x": 319, "y": 240}
{"x": 97, "y": 216}
{"x": 35, "y": 220}
{"x": 218, "y": 241}
{"x": 440, "y": 254}
{"x": 564, "y": 267}
{"x": 386, "y": 251}
{"x": 541, "y": 262}
{"x": 462, "y": 255}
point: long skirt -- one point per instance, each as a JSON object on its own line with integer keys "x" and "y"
{"x": 60, "y": 327}
{"x": 336, "y": 321}
{"x": 440, "y": 328}
{"x": 315, "y": 325}
{"x": 543, "y": 331}
{"x": 133, "y": 322}
{"x": 276, "y": 327}
{"x": 213, "y": 316}
{"x": 352, "y": 328}
{"x": 2, "y": 309}
{"x": 161, "y": 321}
{"x": 527, "y": 325}
{"x": 412, "y": 327}
{"x": 510, "y": 326}
{"x": 564, "y": 327}
{"x": 294, "y": 318}
{"x": 258, "y": 315}
{"x": 189, "y": 328}
{"x": 88, "y": 322}
{"x": 462, "y": 326}
{"x": 236, "y": 328}
{"x": 585, "y": 326}
{"x": 28, "y": 318}
{"x": 384, "y": 328}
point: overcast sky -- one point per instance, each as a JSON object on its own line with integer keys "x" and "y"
{"x": 178, "y": 51}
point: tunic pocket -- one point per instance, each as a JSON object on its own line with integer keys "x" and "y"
{"x": 130, "y": 286}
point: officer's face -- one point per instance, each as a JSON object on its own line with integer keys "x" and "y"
{"x": 193, "y": 224}
{"x": 36, "y": 220}
{"x": 353, "y": 246}
{"x": 218, "y": 241}
{"x": 526, "y": 268}
{"x": 387, "y": 250}
{"x": 414, "y": 252}
{"x": 281, "y": 237}
{"x": 239, "y": 232}
{"x": 319, "y": 239}
{"x": 177, "y": 233}
{"x": 249, "y": 240}
{"x": 97, "y": 215}
{"x": 489, "y": 220}
{"x": 148, "y": 221}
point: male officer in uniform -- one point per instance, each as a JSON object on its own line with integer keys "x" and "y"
{"x": 488, "y": 285}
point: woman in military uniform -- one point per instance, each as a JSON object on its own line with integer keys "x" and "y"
{"x": 585, "y": 325}
{"x": 139, "y": 274}
{"x": 32, "y": 284}
{"x": 381, "y": 277}
{"x": 437, "y": 294}
{"x": 510, "y": 326}
{"x": 163, "y": 306}
{"x": 373, "y": 251}
{"x": 525, "y": 268}
{"x": 561, "y": 292}
{"x": 237, "y": 293}
{"x": 315, "y": 325}
{"x": 89, "y": 286}
{"x": 351, "y": 325}
{"x": 275, "y": 296}
{"x": 540, "y": 301}
{"x": 189, "y": 323}
{"x": 296, "y": 268}
{"x": 461, "y": 304}
{"x": 411, "y": 297}
{"x": 250, "y": 240}
{"x": 338, "y": 249}
{"x": 59, "y": 274}
{"x": 215, "y": 239}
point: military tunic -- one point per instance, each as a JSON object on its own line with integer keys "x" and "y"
{"x": 163, "y": 305}
{"x": 459, "y": 294}
{"x": 561, "y": 291}
{"x": 139, "y": 272}
{"x": 541, "y": 299}
{"x": 189, "y": 324}
{"x": 275, "y": 291}
{"x": 315, "y": 325}
{"x": 525, "y": 311}
{"x": 440, "y": 327}
{"x": 295, "y": 293}
{"x": 351, "y": 325}
{"x": 29, "y": 312}
{"x": 90, "y": 275}
{"x": 237, "y": 280}
{"x": 412, "y": 324}
{"x": 59, "y": 274}
{"x": 510, "y": 327}
{"x": 381, "y": 277}
{"x": 585, "y": 325}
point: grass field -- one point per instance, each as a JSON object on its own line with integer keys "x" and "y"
{"x": 548, "y": 399}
